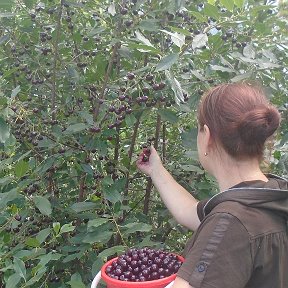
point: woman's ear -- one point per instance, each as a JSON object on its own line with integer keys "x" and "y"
{"x": 207, "y": 139}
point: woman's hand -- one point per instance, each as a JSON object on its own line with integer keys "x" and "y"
{"x": 149, "y": 161}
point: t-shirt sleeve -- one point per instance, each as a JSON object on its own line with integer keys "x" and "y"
{"x": 220, "y": 256}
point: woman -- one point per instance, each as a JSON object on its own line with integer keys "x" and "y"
{"x": 241, "y": 238}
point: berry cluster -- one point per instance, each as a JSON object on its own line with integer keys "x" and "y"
{"x": 144, "y": 264}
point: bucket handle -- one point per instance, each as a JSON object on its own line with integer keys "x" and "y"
{"x": 97, "y": 279}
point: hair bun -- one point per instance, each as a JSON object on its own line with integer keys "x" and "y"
{"x": 258, "y": 124}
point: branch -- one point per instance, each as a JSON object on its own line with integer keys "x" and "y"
{"x": 106, "y": 78}
{"x": 56, "y": 52}
{"x": 82, "y": 187}
{"x": 164, "y": 143}
{"x": 149, "y": 183}
{"x": 130, "y": 154}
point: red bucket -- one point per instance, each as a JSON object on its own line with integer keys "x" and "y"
{"x": 114, "y": 283}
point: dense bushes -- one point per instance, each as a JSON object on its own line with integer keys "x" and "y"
{"x": 84, "y": 87}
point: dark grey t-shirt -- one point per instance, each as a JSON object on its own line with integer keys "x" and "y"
{"x": 237, "y": 246}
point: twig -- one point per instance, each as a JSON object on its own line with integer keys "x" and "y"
{"x": 149, "y": 183}
{"x": 54, "y": 74}
{"x": 164, "y": 143}
{"x": 82, "y": 187}
{"x": 106, "y": 78}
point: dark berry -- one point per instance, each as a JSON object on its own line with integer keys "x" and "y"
{"x": 122, "y": 97}
{"x": 124, "y": 11}
{"x": 128, "y": 23}
{"x": 149, "y": 77}
{"x": 18, "y": 217}
{"x": 130, "y": 76}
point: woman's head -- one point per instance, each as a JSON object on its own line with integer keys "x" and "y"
{"x": 239, "y": 118}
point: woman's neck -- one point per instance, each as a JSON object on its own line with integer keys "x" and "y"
{"x": 232, "y": 172}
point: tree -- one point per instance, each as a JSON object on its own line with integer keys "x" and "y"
{"x": 86, "y": 85}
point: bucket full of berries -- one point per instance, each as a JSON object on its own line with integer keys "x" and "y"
{"x": 141, "y": 268}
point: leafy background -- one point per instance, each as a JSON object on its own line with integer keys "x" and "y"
{"x": 85, "y": 85}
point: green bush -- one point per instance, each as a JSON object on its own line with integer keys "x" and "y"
{"x": 86, "y": 85}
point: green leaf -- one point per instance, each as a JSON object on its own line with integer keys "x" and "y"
{"x": 111, "y": 251}
{"x": 284, "y": 139}
{"x": 4, "y": 38}
{"x": 96, "y": 222}
{"x": 189, "y": 139}
{"x": 36, "y": 278}
{"x": 199, "y": 16}
{"x": 13, "y": 280}
{"x": 51, "y": 256}
{"x": 7, "y": 197}
{"x": 221, "y": 68}
{"x": 239, "y": 3}
{"x": 3, "y": 103}
{"x": 149, "y": 25}
{"x": 95, "y": 31}
{"x": 47, "y": 143}
{"x": 168, "y": 115}
{"x": 4, "y": 131}
{"x": 192, "y": 155}
{"x": 112, "y": 193}
{"x": 199, "y": 40}
{"x": 192, "y": 168}
{"x": 144, "y": 48}
{"x": 72, "y": 73}
{"x": 87, "y": 168}
{"x": 228, "y": 4}
{"x": 21, "y": 168}
{"x": 32, "y": 242}
{"x": 130, "y": 120}
{"x": 6, "y": 4}
{"x": 134, "y": 227}
{"x": 249, "y": 52}
{"x": 19, "y": 267}
{"x": 7, "y": 15}
{"x": 166, "y": 62}
{"x": 96, "y": 267}
{"x": 72, "y": 257}
{"x": 86, "y": 116}
{"x": 45, "y": 165}
{"x": 43, "y": 205}
{"x": 83, "y": 206}
{"x": 143, "y": 39}
{"x": 76, "y": 281}
{"x": 100, "y": 237}
{"x": 15, "y": 91}
{"x": 67, "y": 228}
{"x": 211, "y": 11}
{"x": 43, "y": 234}
{"x": 241, "y": 77}
{"x": 112, "y": 9}
{"x": 6, "y": 180}
{"x": 176, "y": 87}
{"x": 56, "y": 227}
{"x": 180, "y": 30}
{"x": 75, "y": 128}
{"x": 177, "y": 38}
{"x": 198, "y": 75}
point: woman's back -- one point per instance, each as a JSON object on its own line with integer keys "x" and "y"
{"x": 243, "y": 237}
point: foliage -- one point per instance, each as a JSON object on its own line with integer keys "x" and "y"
{"x": 85, "y": 85}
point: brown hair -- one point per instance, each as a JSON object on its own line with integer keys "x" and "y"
{"x": 239, "y": 117}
